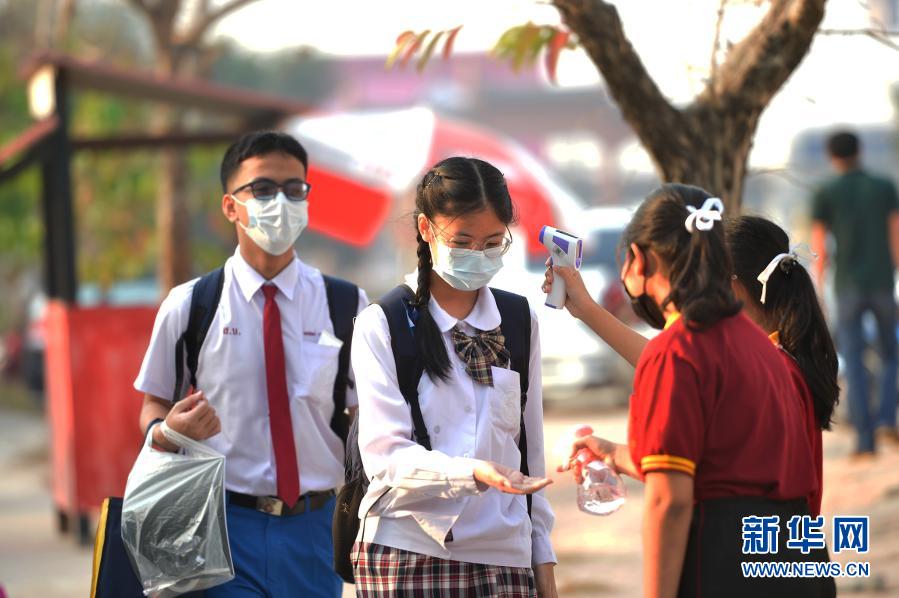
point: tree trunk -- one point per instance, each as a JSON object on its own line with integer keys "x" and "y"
{"x": 172, "y": 213}
{"x": 173, "y": 220}
{"x": 172, "y": 49}
{"x": 712, "y": 152}
{"x": 708, "y": 142}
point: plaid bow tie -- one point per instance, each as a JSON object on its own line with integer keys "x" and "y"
{"x": 479, "y": 352}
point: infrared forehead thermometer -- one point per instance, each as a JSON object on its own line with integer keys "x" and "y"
{"x": 564, "y": 250}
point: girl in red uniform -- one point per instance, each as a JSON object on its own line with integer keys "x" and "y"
{"x": 715, "y": 429}
{"x": 778, "y": 294}
{"x": 790, "y": 314}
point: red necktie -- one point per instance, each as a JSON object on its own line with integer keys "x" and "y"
{"x": 286, "y": 469}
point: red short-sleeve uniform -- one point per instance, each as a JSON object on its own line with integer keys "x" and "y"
{"x": 720, "y": 405}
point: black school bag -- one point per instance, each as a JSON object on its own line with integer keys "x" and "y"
{"x": 515, "y": 315}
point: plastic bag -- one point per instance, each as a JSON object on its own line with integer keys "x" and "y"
{"x": 173, "y": 518}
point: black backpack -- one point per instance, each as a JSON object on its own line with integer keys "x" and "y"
{"x": 343, "y": 301}
{"x": 401, "y": 315}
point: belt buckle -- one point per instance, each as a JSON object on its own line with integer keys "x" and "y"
{"x": 271, "y": 505}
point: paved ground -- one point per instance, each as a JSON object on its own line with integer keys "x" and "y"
{"x": 598, "y": 555}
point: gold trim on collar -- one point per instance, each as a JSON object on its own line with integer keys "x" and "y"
{"x": 670, "y": 320}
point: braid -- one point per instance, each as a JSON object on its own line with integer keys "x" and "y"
{"x": 428, "y": 336}
{"x": 423, "y": 293}
{"x": 452, "y": 187}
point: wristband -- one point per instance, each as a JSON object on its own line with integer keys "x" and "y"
{"x": 158, "y": 420}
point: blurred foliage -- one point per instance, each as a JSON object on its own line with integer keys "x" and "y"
{"x": 523, "y": 45}
{"x": 408, "y": 43}
{"x": 520, "y": 46}
{"x": 114, "y": 191}
{"x": 21, "y": 230}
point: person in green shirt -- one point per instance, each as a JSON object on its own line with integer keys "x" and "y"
{"x": 861, "y": 211}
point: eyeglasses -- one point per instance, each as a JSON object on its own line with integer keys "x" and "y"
{"x": 267, "y": 189}
{"x": 493, "y": 247}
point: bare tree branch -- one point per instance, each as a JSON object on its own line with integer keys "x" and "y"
{"x": 708, "y": 142}
{"x": 881, "y": 35}
{"x": 199, "y": 29}
{"x": 783, "y": 173}
{"x": 202, "y": 8}
{"x": 871, "y": 15}
{"x": 713, "y": 67}
{"x": 66, "y": 14}
{"x": 140, "y": 5}
{"x": 757, "y": 67}
{"x": 162, "y": 16}
{"x": 600, "y": 32}
{"x": 869, "y": 31}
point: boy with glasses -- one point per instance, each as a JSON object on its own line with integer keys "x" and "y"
{"x": 264, "y": 392}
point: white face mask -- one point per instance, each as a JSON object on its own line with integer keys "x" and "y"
{"x": 275, "y": 225}
{"x": 466, "y": 269}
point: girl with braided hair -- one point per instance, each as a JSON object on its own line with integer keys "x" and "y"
{"x": 448, "y": 515}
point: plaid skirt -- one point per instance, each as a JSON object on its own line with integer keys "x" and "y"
{"x": 385, "y": 571}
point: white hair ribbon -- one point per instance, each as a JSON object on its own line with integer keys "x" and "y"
{"x": 774, "y": 263}
{"x": 704, "y": 218}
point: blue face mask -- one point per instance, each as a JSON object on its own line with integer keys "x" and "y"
{"x": 466, "y": 269}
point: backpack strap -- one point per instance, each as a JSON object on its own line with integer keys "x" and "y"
{"x": 515, "y": 314}
{"x": 204, "y": 301}
{"x": 397, "y": 306}
{"x": 343, "y": 303}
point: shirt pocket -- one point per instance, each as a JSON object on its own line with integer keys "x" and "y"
{"x": 505, "y": 400}
{"x": 319, "y": 371}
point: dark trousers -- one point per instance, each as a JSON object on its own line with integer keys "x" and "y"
{"x": 852, "y": 306}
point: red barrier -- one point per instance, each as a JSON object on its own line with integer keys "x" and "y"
{"x": 92, "y": 358}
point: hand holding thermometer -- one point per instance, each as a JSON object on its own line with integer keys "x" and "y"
{"x": 564, "y": 250}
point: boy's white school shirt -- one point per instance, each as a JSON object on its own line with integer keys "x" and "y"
{"x": 428, "y": 493}
{"x": 231, "y": 373}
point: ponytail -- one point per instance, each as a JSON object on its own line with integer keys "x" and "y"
{"x": 678, "y": 224}
{"x": 791, "y": 306}
{"x": 698, "y": 288}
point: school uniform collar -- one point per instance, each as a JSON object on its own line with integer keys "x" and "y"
{"x": 250, "y": 281}
{"x": 774, "y": 337}
{"x": 484, "y": 315}
{"x": 670, "y": 320}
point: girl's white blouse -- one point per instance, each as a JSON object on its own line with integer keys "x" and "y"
{"x": 428, "y": 493}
